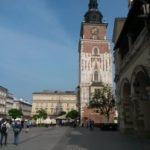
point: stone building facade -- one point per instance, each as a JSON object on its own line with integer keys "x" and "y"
{"x": 132, "y": 61}
{"x": 9, "y": 103}
{"x": 95, "y": 60}
{"x": 54, "y": 102}
{"x": 3, "y": 98}
{"x": 23, "y": 105}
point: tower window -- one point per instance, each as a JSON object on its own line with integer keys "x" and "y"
{"x": 95, "y": 76}
{"x": 95, "y": 51}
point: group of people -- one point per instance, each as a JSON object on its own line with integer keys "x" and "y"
{"x": 4, "y": 128}
{"x": 89, "y": 123}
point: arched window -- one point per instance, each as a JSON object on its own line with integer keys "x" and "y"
{"x": 95, "y": 51}
{"x": 95, "y": 76}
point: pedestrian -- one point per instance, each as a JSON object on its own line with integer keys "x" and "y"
{"x": 4, "y": 131}
{"x": 1, "y": 121}
{"x": 0, "y": 125}
{"x": 91, "y": 124}
{"x": 17, "y": 129}
{"x": 22, "y": 123}
{"x": 27, "y": 124}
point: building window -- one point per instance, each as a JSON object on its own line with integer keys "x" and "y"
{"x": 52, "y": 105}
{"x": 95, "y": 76}
{"x": 52, "y": 110}
{"x": 95, "y": 51}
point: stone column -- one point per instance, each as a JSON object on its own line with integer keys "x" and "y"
{"x": 148, "y": 91}
{"x": 138, "y": 116}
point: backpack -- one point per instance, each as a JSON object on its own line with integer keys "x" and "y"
{"x": 3, "y": 128}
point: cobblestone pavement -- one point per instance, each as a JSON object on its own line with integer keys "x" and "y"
{"x": 67, "y": 138}
{"x": 84, "y": 139}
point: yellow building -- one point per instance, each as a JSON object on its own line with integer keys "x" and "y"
{"x": 54, "y": 102}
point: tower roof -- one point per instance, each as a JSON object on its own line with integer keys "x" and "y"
{"x": 93, "y": 15}
{"x": 93, "y": 4}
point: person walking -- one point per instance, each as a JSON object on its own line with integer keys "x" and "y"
{"x": 27, "y": 125}
{"x": 91, "y": 124}
{"x": 4, "y": 131}
{"x": 17, "y": 129}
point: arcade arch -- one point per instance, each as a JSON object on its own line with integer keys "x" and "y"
{"x": 127, "y": 105}
{"x": 140, "y": 96}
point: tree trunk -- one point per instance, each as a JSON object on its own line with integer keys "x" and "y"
{"x": 107, "y": 117}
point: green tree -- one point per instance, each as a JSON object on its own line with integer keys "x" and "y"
{"x": 73, "y": 114}
{"x": 35, "y": 117}
{"x": 42, "y": 114}
{"x": 102, "y": 99}
{"x": 14, "y": 113}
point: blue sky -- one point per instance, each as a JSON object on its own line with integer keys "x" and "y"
{"x": 39, "y": 42}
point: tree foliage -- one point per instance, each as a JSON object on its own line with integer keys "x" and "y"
{"x": 42, "y": 114}
{"x": 73, "y": 114}
{"x": 35, "y": 117}
{"x": 102, "y": 99}
{"x": 14, "y": 113}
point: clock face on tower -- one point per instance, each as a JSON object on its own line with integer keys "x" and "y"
{"x": 94, "y": 30}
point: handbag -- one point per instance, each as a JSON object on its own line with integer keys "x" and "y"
{"x": 16, "y": 130}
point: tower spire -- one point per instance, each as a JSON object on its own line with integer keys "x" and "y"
{"x": 93, "y": 15}
{"x": 93, "y": 4}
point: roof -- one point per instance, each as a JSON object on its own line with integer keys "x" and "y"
{"x": 56, "y": 92}
{"x": 118, "y": 25}
{"x": 134, "y": 11}
{"x": 3, "y": 88}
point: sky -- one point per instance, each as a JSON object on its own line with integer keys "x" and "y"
{"x": 39, "y": 42}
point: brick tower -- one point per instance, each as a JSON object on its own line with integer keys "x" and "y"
{"x": 95, "y": 64}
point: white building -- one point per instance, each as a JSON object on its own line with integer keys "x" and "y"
{"x": 3, "y": 98}
{"x": 9, "y": 103}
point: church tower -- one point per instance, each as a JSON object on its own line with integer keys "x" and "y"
{"x": 95, "y": 61}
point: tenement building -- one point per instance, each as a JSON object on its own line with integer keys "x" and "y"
{"x": 132, "y": 72}
{"x": 95, "y": 60}
{"x": 54, "y": 102}
{"x": 3, "y": 97}
{"x": 9, "y": 104}
{"x": 24, "y": 106}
